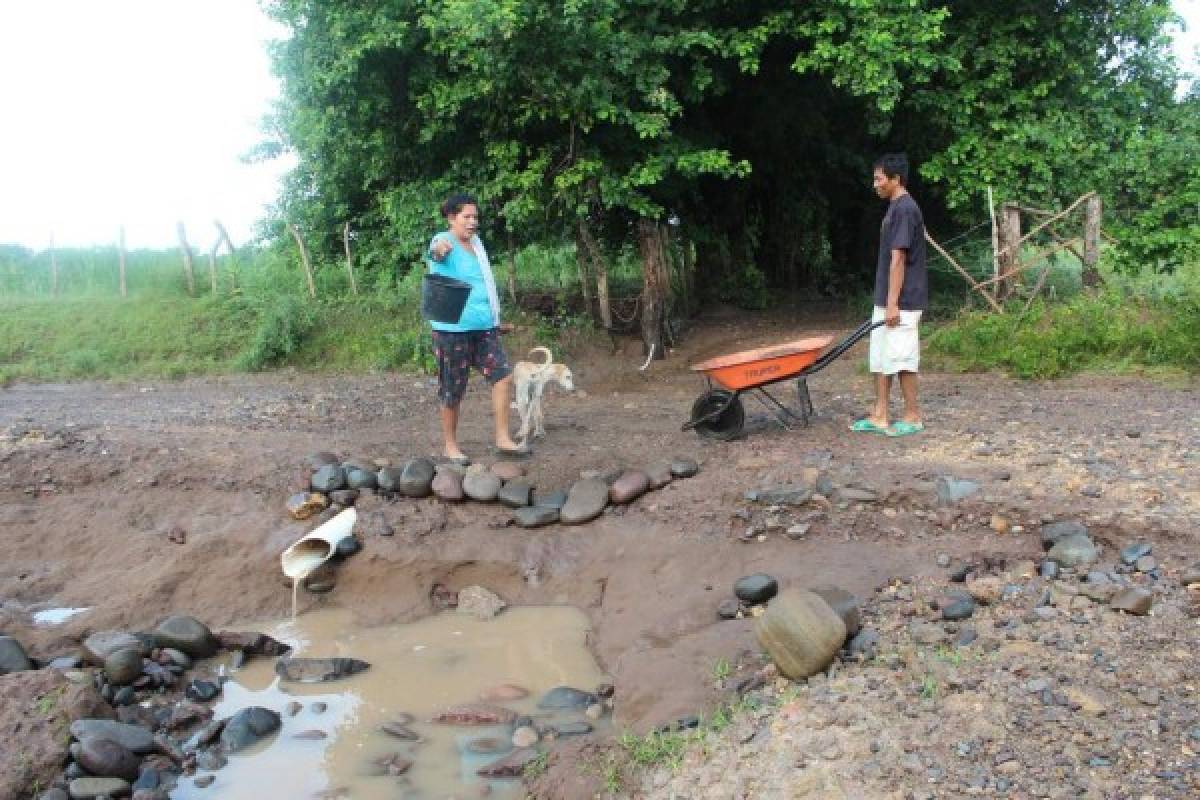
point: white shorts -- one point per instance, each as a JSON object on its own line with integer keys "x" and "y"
{"x": 895, "y": 349}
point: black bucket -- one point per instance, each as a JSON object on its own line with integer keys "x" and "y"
{"x": 443, "y": 299}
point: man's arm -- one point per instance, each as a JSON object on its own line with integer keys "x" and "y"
{"x": 895, "y": 284}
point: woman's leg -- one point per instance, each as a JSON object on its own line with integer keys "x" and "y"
{"x": 501, "y": 398}
{"x": 450, "y": 432}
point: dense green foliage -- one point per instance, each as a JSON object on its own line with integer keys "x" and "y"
{"x": 750, "y": 122}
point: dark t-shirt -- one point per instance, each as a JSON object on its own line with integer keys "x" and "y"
{"x": 903, "y": 228}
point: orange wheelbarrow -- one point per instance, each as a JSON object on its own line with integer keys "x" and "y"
{"x": 718, "y": 413}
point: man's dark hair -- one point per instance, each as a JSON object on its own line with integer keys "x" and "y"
{"x": 455, "y": 203}
{"x": 893, "y": 165}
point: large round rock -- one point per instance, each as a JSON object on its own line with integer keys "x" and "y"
{"x": 448, "y": 485}
{"x": 629, "y": 487}
{"x": 186, "y": 634}
{"x": 106, "y": 759}
{"x": 13, "y": 657}
{"x": 801, "y": 633}
{"x": 123, "y": 667}
{"x": 388, "y": 479}
{"x": 102, "y": 644}
{"x": 756, "y": 589}
{"x": 481, "y": 485}
{"x": 329, "y": 478}
{"x": 585, "y": 501}
{"x": 358, "y": 477}
{"x": 1076, "y": 550}
{"x": 416, "y": 479}
{"x": 248, "y": 726}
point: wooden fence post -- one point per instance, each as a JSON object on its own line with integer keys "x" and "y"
{"x": 53, "y": 269}
{"x": 349, "y": 259}
{"x": 188, "y": 272}
{"x": 1091, "y": 242}
{"x": 224, "y": 237}
{"x": 308, "y": 273}
{"x": 212, "y": 265}
{"x": 121, "y": 255}
{"x": 1010, "y": 248}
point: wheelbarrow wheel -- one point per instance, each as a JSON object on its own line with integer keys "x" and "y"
{"x": 724, "y": 426}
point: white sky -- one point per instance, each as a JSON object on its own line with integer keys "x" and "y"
{"x": 135, "y": 112}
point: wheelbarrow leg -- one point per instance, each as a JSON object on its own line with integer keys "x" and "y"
{"x": 803, "y": 400}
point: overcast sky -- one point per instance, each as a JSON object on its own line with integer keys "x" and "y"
{"x": 135, "y": 112}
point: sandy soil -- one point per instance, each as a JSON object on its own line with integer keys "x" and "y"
{"x": 95, "y": 476}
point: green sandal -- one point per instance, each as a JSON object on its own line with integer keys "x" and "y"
{"x": 865, "y": 425}
{"x": 903, "y": 428}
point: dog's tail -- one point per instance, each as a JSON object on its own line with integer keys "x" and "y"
{"x": 549, "y": 356}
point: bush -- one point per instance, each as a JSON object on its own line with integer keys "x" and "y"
{"x": 284, "y": 321}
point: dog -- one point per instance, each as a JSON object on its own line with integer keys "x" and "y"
{"x": 531, "y": 378}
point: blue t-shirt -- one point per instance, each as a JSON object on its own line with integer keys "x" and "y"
{"x": 463, "y": 264}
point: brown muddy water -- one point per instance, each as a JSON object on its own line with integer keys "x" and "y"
{"x": 416, "y": 669}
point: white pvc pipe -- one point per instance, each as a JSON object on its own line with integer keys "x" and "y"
{"x": 318, "y": 546}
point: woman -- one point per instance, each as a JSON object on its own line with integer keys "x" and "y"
{"x": 474, "y": 341}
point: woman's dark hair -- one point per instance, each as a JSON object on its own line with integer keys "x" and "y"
{"x": 893, "y": 165}
{"x": 455, "y": 203}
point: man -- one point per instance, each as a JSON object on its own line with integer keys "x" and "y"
{"x": 901, "y": 294}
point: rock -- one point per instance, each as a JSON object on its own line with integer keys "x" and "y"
{"x": 798, "y": 531}
{"x": 555, "y": 498}
{"x": 54, "y": 794}
{"x": 399, "y": 729}
{"x": 1134, "y": 600}
{"x": 511, "y": 766}
{"x": 800, "y": 632}
{"x": 318, "y": 670}
{"x": 659, "y": 474}
{"x": 93, "y": 788}
{"x": 566, "y": 697}
{"x": 123, "y": 667}
{"x": 186, "y": 634}
{"x": 524, "y": 736}
{"x": 791, "y": 495}
{"x": 508, "y": 470}
{"x": 323, "y": 579}
{"x": 1146, "y": 564}
{"x": 629, "y": 487}
{"x": 1190, "y": 576}
{"x": 344, "y": 497}
{"x": 1055, "y": 531}
{"x": 952, "y": 490}
{"x": 571, "y": 729}
{"x": 535, "y": 516}
{"x": 254, "y": 644}
{"x": 204, "y": 781}
{"x": 132, "y": 737}
{"x": 1131, "y": 553}
{"x": 104, "y": 758}
{"x": 487, "y": 746}
{"x": 1074, "y": 551}
{"x": 1048, "y": 569}
{"x": 927, "y": 633}
{"x": 684, "y": 468}
{"x": 393, "y": 764}
{"x": 729, "y": 608}
{"x": 986, "y": 590}
{"x": 481, "y": 602}
{"x": 844, "y": 604}
{"x": 102, "y": 644}
{"x": 855, "y": 494}
{"x": 515, "y": 494}
{"x": 347, "y": 546}
{"x": 943, "y": 560}
{"x": 586, "y": 500}
{"x": 756, "y": 589}
{"x": 201, "y": 691}
{"x": 359, "y": 476}
{"x": 303, "y": 505}
{"x": 329, "y": 478}
{"x": 448, "y": 486}
{"x": 475, "y": 714}
{"x": 124, "y": 696}
{"x": 960, "y": 606}
{"x": 247, "y": 727}
{"x": 13, "y": 657}
{"x": 481, "y": 485}
{"x": 312, "y": 735}
{"x": 416, "y": 479}
{"x": 865, "y": 644}
{"x": 388, "y": 479}
{"x": 64, "y": 663}
{"x": 503, "y": 693}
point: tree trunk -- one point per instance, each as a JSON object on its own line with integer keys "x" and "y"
{"x": 121, "y": 256}
{"x": 349, "y": 259}
{"x": 650, "y": 245}
{"x": 585, "y": 274}
{"x": 188, "y": 272}
{"x": 308, "y": 273}
{"x": 601, "y": 267}
{"x": 1091, "y": 243}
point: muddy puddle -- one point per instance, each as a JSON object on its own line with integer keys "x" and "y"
{"x": 418, "y": 669}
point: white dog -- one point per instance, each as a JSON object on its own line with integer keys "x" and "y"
{"x": 531, "y": 379}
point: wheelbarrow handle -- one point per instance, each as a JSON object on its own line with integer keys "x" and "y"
{"x": 841, "y": 347}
